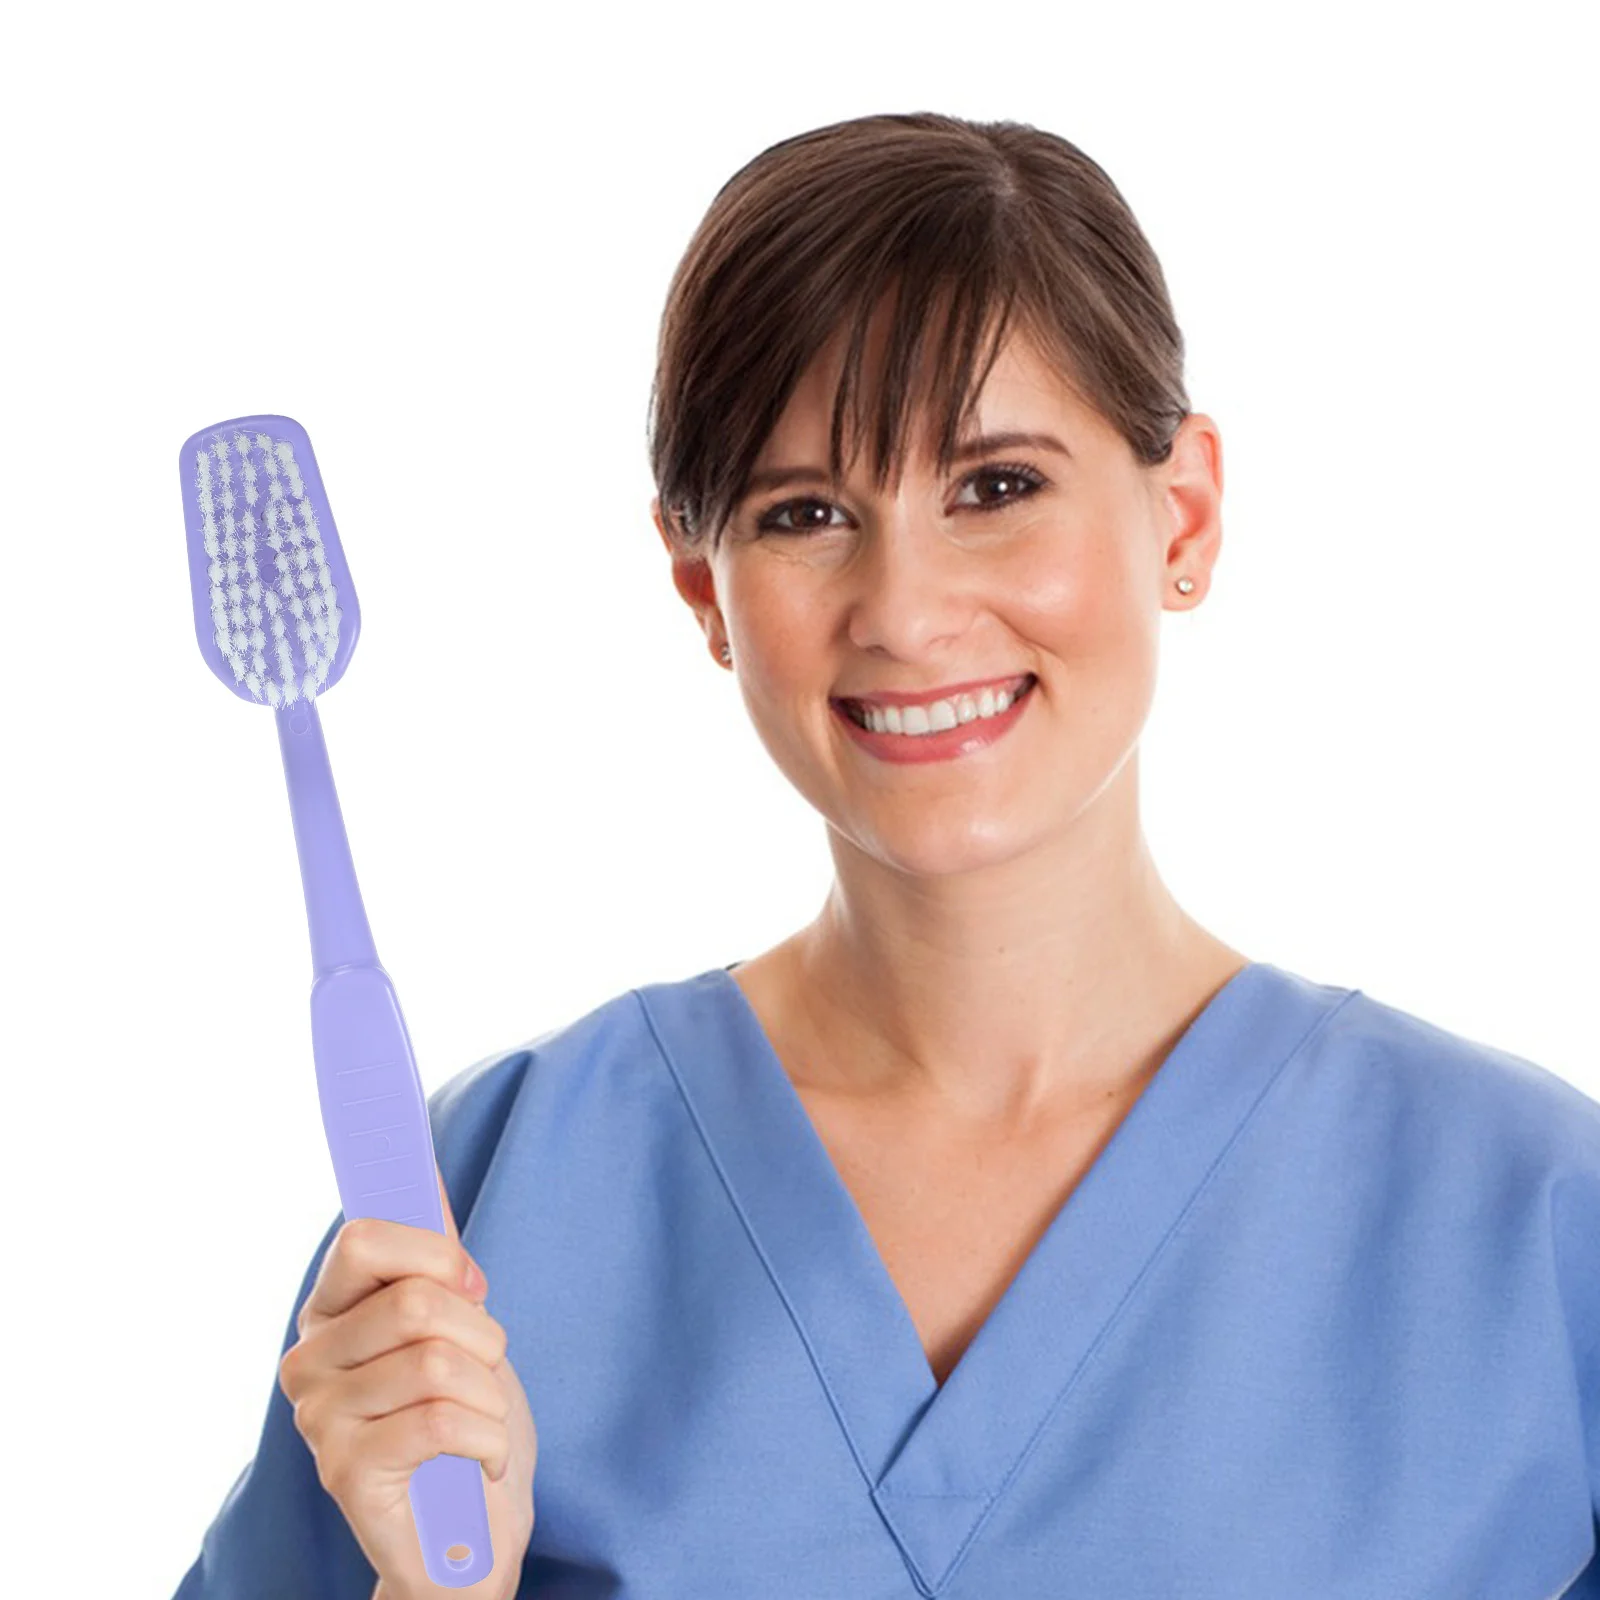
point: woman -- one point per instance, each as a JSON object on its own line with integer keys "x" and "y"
{"x": 1003, "y": 1232}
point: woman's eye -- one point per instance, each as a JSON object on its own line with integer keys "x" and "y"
{"x": 770, "y": 522}
{"x": 1014, "y": 475}
{"x": 1028, "y": 477}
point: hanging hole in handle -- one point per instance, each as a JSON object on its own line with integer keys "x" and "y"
{"x": 459, "y": 1561}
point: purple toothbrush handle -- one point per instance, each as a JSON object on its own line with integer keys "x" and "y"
{"x": 376, "y": 1119}
{"x": 374, "y": 1112}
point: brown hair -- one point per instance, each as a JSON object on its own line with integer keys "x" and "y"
{"x": 817, "y": 228}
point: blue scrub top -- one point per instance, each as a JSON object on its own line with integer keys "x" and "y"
{"x": 1322, "y": 1321}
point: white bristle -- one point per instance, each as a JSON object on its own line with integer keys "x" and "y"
{"x": 252, "y": 500}
{"x": 286, "y": 459}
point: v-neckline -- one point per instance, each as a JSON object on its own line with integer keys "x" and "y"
{"x": 937, "y": 1458}
{"x": 1124, "y": 1101}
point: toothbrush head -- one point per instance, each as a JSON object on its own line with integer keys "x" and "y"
{"x": 274, "y": 609}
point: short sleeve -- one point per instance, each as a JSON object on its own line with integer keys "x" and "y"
{"x": 1575, "y": 1223}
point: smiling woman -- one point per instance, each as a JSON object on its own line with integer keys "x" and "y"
{"x": 948, "y": 642}
{"x": 1002, "y": 1232}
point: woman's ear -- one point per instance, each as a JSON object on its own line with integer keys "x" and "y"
{"x": 661, "y": 526}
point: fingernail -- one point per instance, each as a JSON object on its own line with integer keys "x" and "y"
{"x": 476, "y": 1282}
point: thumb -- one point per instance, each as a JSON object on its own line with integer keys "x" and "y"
{"x": 452, "y": 1233}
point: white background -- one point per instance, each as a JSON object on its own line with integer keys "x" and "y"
{"x": 441, "y": 239}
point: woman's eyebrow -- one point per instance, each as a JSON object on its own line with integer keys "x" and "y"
{"x": 985, "y": 444}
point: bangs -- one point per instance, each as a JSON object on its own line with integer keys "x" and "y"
{"x": 965, "y": 234}
{"x": 970, "y": 316}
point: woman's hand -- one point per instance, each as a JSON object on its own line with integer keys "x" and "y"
{"x": 399, "y": 1361}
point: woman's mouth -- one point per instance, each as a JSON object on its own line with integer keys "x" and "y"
{"x": 920, "y": 739}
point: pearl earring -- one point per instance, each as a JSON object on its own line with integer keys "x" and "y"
{"x": 1185, "y": 585}
{"x": 727, "y": 653}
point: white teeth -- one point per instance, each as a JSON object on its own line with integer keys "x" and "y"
{"x": 936, "y": 717}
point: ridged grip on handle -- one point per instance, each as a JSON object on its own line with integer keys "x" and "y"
{"x": 376, "y": 1119}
